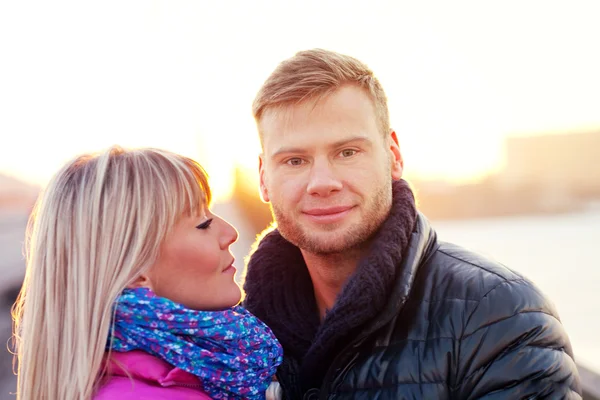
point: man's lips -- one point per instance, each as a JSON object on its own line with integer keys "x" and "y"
{"x": 326, "y": 210}
{"x": 327, "y": 214}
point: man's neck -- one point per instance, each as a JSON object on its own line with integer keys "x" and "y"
{"x": 329, "y": 274}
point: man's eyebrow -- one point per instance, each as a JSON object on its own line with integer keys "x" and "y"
{"x": 339, "y": 143}
{"x": 288, "y": 150}
{"x": 359, "y": 138}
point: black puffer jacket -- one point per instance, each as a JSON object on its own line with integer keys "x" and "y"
{"x": 455, "y": 326}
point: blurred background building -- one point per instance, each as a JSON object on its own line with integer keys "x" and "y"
{"x": 540, "y": 174}
{"x": 568, "y": 161}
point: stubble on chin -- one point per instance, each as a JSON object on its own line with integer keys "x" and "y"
{"x": 331, "y": 239}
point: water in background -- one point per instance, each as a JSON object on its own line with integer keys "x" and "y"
{"x": 559, "y": 253}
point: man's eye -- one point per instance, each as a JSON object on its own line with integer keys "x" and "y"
{"x": 294, "y": 161}
{"x": 348, "y": 152}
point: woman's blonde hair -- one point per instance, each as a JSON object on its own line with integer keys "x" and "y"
{"x": 97, "y": 226}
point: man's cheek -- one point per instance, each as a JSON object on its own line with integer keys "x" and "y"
{"x": 286, "y": 188}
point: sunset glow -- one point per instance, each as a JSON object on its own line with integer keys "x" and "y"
{"x": 460, "y": 76}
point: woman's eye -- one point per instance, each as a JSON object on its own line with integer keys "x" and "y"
{"x": 294, "y": 161}
{"x": 348, "y": 153}
{"x": 205, "y": 224}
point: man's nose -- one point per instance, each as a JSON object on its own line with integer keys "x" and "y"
{"x": 323, "y": 180}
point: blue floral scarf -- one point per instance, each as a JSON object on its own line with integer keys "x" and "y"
{"x": 234, "y": 354}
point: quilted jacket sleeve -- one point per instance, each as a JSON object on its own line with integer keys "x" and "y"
{"x": 515, "y": 347}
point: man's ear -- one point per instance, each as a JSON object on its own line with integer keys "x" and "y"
{"x": 264, "y": 193}
{"x": 397, "y": 160}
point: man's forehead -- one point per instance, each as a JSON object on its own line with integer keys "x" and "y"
{"x": 287, "y": 115}
{"x": 337, "y": 118}
{"x": 348, "y": 97}
{"x": 282, "y": 124}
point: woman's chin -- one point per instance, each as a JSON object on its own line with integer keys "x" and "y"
{"x": 232, "y": 298}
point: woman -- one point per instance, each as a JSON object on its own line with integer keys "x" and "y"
{"x": 129, "y": 290}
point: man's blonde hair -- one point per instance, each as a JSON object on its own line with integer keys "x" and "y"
{"x": 312, "y": 74}
{"x": 97, "y": 226}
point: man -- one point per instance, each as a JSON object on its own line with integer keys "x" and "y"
{"x": 365, "y": 300}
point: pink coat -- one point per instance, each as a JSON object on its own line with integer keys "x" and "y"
{"x": 150, "y": 378}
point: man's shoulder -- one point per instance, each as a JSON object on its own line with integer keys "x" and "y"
{"x": 465, "y": 274}
{"x": 473, "y": 262}
{"x": 458, "y": 287}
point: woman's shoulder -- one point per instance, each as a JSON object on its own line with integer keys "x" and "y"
{"x": 124, "y": 388}
{"x": 139, "y": 375}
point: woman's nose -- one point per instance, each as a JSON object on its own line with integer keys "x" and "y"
{"x": 229, "y": 235}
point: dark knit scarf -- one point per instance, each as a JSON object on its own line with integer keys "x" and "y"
{"x": 279, "y": 291}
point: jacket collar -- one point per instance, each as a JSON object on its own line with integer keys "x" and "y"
{"x": 422, "y": 244}
{"x": 279, "y": 289}
{"x": 143, "y": 366}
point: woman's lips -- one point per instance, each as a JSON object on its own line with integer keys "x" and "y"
{"x": 230, "y": 269}
{"x": 327, "y": 215}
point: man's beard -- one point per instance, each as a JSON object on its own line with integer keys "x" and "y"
{"x": 325, "y": 243}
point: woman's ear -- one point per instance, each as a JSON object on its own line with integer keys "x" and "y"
{"x": 142, "y": 281}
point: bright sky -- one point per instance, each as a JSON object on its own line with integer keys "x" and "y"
{"x": 460, "y": 75}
